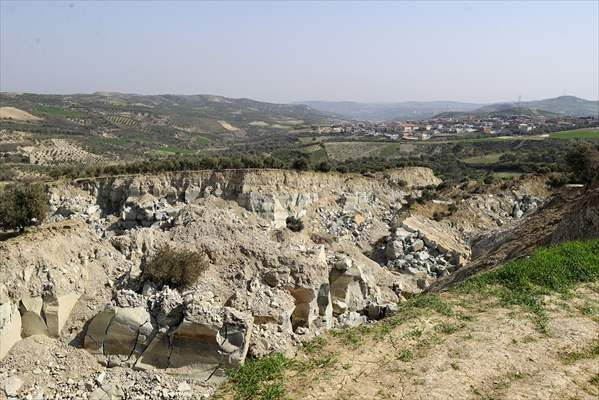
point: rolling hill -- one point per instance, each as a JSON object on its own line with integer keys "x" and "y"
{"x": 564, "y": 105}
{"x": 505, "y": 111}
{"x": 389, "y": 111}
{"x": 125, "y": 126}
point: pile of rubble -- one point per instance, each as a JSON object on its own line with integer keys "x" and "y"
{"x": 425, "y": 248}
{"x": 41, "y": 368}
{"x": 408, "y": 252}
{"x": 344, "y": 225}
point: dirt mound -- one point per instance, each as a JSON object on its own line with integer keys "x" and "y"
{"x": 16, "y": 114}
{"x": 567, "y": 216}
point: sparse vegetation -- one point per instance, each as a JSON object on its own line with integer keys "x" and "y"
{"x": 261, "y": 379}
{"x": 22, "y": 205}
{"x": 552, "y": 269}
{"x": 591, "y": 351}
{"x": 405, "y": 355}
{"x": 176, "y": 268}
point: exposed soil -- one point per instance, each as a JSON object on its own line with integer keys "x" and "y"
{"x": 486, "y": 351}
{"x": 16, "y": 114}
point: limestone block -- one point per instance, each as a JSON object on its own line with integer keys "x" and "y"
{"x": 96, "y": 332}
{"x": 10, "y": 327}
{"x": 129, "y": 332}
{"x": 32, "y": 324}
{"x": 57, "y": 310}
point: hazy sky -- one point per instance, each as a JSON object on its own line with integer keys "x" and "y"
{"x": 283, "y": 51}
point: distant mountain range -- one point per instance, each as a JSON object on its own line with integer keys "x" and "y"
{"x": 500, "y": 112}
{"x": 389, "y": 111}
{"x": 564, "y": 105}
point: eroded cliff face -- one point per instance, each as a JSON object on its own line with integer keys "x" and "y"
{"x": 81, "y": 278}
{"x": 272, "y": 194}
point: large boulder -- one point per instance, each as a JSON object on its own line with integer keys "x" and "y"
{"x": 202, "y": 346}
{"x": 124, "y": 332}
{"x": 57, "y": 309}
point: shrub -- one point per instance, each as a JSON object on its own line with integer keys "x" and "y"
{"x": 300, "y": 164}
{"x": 323, "y": 166}
{"x": 176, "y": 268}
{"x": 558, "y": 180}
{"x": 22, "y": 206}
{"x": 584, "y": 163}
{"x": 294, "y": 224}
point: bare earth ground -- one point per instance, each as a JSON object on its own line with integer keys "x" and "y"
{"x": 16, "y": 114}
{"x": 482, "y": 351}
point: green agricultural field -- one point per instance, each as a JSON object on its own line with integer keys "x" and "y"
{"x": 340, "y": 151}
{"x": 506, "y": 175}
{"x": 576, "y": 134}
{"x": 170, "y": 150}
{"x": 391, "y": 150}
{"x": 59, "y": 112}
{"x": 479, "y": 140}
{"x": 202, "y": 141}
{"x": 490, "y": 158}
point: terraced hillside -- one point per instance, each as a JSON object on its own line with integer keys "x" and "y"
{"x": 122, "y": 125}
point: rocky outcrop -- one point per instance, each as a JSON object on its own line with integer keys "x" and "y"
{"x": 272, "y": 194}
{"x": 437, "y": 236}
{"x": 44, "y": 273}
{"x": 10, "y": 327}
{"x": 201, "y": 346}
{"x": 569, "y": 215}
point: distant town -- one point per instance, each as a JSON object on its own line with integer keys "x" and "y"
{"x": 458, "y": 125}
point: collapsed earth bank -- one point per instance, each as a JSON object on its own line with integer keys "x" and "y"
{"x": 81, "y": 277}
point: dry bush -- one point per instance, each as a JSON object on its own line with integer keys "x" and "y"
{"x": 176, "y": 268}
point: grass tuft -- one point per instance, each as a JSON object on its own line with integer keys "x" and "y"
{"x": 591, "y": 351}
{"x": 261, "y": 379}
{"x": 406, "y": 355}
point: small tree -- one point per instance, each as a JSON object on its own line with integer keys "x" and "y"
{"x": 22, "y": 206}
{"x": 176, "y": 268}
{"x": 323, "y": 166}
{"x": 300, "y": 164}
{"x": 584, "y": 163}
{"x": 294, "y": 224}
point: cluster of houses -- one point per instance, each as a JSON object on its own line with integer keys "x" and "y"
{"x": 457, "y": 126}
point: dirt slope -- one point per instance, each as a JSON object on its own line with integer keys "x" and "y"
{"x": 567, "y": 216}
{"x": 484, "y": 351}
{"x": 16, "y": 114}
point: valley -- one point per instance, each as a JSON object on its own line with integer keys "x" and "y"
{"x": 166, "y": 247}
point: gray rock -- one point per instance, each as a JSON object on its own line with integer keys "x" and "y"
{"x": 12, "y": 385}
{"x": 394, "y": 249}
{"x": 351, "y": 319}
{"x": 417, "y": 245}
